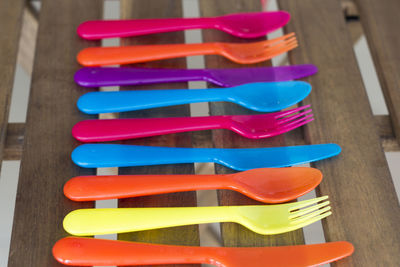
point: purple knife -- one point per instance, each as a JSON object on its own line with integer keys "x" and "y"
{"x": 115, "y": 76}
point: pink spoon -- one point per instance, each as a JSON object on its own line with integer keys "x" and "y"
{"x": 244, "y": 25}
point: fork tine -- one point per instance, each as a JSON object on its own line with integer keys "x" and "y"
{"x": 293, "y": 117}
{"x": 267, "y": 50}
{"x": 269, "y": 53}
{"x": 312, "y": 220}
{"x": 294, "y": 215}
{"x": 284, "y": 43}
{"x": 275, "y": 43}
{"x": 285, "y": 129}
{"x": 290, "y": 111}
{"x": 297, "y": 123}
{"x": 272, "y": 52}
{"x": 271, "y": 47}
{"x": 290, "y": 128}
{"x": 283, "y": 37}
{"x": 311, "y": 215}
{"x": 305, "y": 203}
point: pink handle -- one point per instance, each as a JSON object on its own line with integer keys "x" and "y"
{"x": 99, "y": 29}
{"x": 119, "y": 129}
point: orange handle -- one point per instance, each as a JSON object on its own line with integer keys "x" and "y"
{"x": 90, "y": 188}
{"x": 98, "y": 56}
{"x": 80, "y": 251}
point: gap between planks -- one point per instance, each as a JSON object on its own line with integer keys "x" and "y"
{"x": 16, "y": 131}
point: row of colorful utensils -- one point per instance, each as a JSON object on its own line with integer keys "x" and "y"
{"x": 263, "y": 175}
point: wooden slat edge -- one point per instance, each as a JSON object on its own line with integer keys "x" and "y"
{"x": 361, "y": 191}
{"x": 384, "y": 127}
{"x": 379, "y": 20}
{"x": 10, "y": 27}
{"x": 46, "y": 162}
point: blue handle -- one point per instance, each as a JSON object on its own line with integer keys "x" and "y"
{"x": 111, "y": 155}
{"x": 109, "y": 102}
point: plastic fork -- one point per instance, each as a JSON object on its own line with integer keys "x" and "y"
{"x": 83, "y": 251}
{"x": 244, "y": 25}
{"x": 268, "y": 185}
{"x": 262, "y": 219}
{"x": 244, "y": 53}
{"x": 241, "y": 159}
{"x": 250, "y": 126}
{"x": 115, "y": 76}
{"x": 263, "y": 97}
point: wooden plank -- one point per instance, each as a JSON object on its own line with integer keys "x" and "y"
{"x": 234, "y": 234}
{"x": 365, "y": 208}
{"x": 10, "y": 27}
{"x": 380, "y": 19}
{"x": 185, "y": 235}
{"x": 46, "y": 164}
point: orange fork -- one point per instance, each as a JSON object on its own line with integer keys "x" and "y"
{"x": 244, "y": 53}
{"x": 78, "y": 251}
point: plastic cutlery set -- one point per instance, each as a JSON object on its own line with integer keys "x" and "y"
{"x": 265, "y": 173}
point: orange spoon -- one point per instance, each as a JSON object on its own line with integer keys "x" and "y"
{"x": 80, "y": 251}
{"x": 269, "y": 185}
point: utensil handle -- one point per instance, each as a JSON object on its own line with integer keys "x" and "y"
{"x": 91, "y": 188}
{"x": 79, "y": 251}
{"x": 96, "y": 77}
{"x": 105, "y": 102}
{"x": 121, "y": 129}
{"x": 99, "y": 29}
{"x": 99, "y": 56}
{"x": 87, "y": 222}
{"x": 110, "y": 155}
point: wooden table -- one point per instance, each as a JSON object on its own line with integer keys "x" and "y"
{"x": 363, "y": 199}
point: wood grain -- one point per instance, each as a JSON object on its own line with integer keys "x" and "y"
{"x": 365, "y": 208}
{"x": 234, "y": 234}
{"x": 380, "y": 20}
{"x": 46, "y": 164}
{"x": 10, "y": 27}
{"x": 185, "y": 235}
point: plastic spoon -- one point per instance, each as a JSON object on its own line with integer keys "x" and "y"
{"x": 263, "y": 97}
{"x": 269, "y": 185}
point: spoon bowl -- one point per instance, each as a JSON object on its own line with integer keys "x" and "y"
{"x": 275, "y": 185}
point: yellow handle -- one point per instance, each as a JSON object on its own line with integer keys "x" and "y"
{"x": 85, "y": 222}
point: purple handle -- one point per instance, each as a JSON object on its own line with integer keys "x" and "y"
{"x": 99, "y": 29}
{"x": 97, "y": 77}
